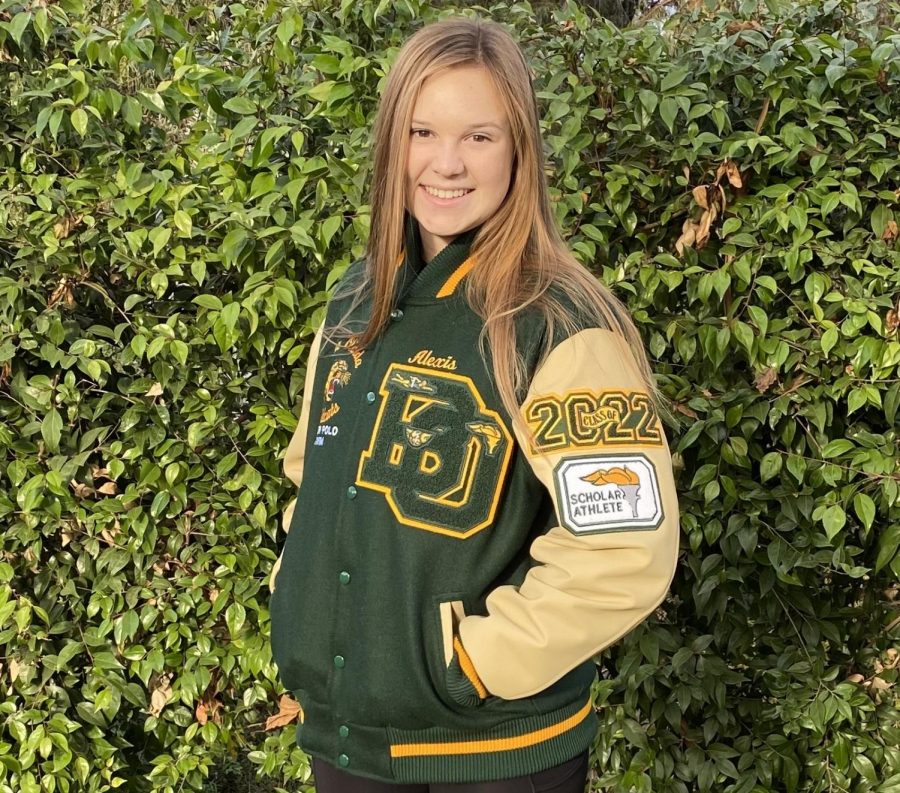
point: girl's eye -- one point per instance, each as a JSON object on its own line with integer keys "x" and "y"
{"x": 414, "y": 133}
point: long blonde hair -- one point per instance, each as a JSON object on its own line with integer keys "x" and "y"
{"x": 526, "y": 251}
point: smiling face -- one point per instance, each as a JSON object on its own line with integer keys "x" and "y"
{"x": 460, "y": 155}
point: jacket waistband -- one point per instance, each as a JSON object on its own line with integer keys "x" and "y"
{"x": 509, "y": 749}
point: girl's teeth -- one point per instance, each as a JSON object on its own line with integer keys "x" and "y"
{"x": 446, "y": 193}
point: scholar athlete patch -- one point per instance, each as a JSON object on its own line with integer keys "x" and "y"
{"x": 608, "y": 492}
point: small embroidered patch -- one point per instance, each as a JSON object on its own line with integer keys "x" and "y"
{"x": 610, "y": 492}
{"x": 592, "y": 419}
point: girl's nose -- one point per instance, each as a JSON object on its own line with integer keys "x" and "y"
{"x": 448, "y": 160}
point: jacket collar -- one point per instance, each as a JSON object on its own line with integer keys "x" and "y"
{"x": 442, "y": 276}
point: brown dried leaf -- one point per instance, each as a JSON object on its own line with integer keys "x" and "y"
{"x": 891, "y": 321}
{"x": 738, "y": 25}
{"x": 699, "y": 193}
{"x": 688, "y": 235}
{"x": 890, "y": 230}
{"x": 723, "y": 199}
{"x": 734, "y": 174}
{"x": 160, "y": 696}
{"x": 857, "y": 678}
{"x": 703, "y": 229}
{"x": 685, "y": 410}
{"x": 108, "y": 488}
{"x": 288, "y": 710}
{"x": 201, "y": 713}
{"x": 62, "y": 291}
{"x": 14, "y": 668}
{"x": 65, "y": 537}
{"x": 81, "y": 490}
{"x": 66, "y": 226}
{"x": 155, "y": 390}
{"x": 109, "y": 535}
{"x": 765, "y": 379}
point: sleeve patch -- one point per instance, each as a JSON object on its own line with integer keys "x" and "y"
{"x": 583, "y": 419}
{"x": 608, "y": 492}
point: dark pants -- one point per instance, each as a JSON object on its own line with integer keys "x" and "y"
{"x": 568, "y": 777}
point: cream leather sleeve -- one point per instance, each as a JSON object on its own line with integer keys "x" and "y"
{"x": 293, "y": 457}
{"x": 598, "y": 447}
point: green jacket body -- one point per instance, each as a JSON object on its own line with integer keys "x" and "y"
{"x": 446, "y": 580}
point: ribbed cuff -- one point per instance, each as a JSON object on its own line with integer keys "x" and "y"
{"x": 463, "y": 683}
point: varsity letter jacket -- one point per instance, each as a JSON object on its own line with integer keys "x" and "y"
{"x": 447, "y": 578}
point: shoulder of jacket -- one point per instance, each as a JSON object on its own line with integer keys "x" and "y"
{"x": 532, "y": 325}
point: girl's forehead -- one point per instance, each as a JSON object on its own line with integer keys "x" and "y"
{"x": 462, "y": 96}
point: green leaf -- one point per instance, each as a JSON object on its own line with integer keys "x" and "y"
{"x": 262, "y": 184}
{"x": 864, "y": 507}
{"x": 649, "y": 100}
{"x": 79, "y": 121}
{"x": 17, "y": 26}
{"x": 881, "y": 216}
{"x": 132, "y": 112}
{"x": 208, "y": 301}
{"x": 834, "y": 71}
{"x": 674, "y": 77}
{"x": 182, "y": 221}
{"x": 828, "y": 340}
{"x": 836, "y": 447}
{"x": 760, "y": 319}
{"x": 668, "y": 110}
{"x": 51, "y": 429}
{"x": 887, "y": 546}
{"x": 770, "y": 466}
{"x": 160, "y": 502}
{"x": 230, "y": 315}
{"x": 198, "y": 270}
{"x": 240, "y": 105}
{"x": 235, "y": 616}
{"x": 833, "y": 520}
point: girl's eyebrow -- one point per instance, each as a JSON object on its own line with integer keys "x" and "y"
{"x": 482, "y": 125}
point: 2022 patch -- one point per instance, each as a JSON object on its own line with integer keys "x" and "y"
{"x": 608, "y": 492}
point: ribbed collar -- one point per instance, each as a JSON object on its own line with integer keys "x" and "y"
{"x": 441, "y": 277}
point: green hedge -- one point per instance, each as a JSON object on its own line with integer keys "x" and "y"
{"x": 180, "y": 186}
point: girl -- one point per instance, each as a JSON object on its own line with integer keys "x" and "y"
{"x": 485, "y": 492}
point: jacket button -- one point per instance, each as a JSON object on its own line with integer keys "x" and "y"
{"x": 343, "y": 731}
{"x": 344, "y": 577}
{"x": 370, "y": 397}
{"x": 343, "y": 760}
{"x": 339, "y": 661}
{"x": 351, "y": 492}
{"x": 396, "y": 315}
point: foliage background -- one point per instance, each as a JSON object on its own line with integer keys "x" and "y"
{"x": 180, "y": 186}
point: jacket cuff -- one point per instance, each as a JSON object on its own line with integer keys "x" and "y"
{"x": 463, "y": 683}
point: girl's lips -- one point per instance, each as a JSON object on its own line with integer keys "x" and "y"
{"x": 444, "y": 202}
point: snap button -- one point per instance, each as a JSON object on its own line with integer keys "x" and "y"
{"x": 343, "y": 760}
{"x": 339, "y": 661}
{"x": 343, "y": 731}
{"x": 370, "y": 397}
{"x": 344, "y": 577}
{"x": 351, "y": 492}
{"x": 396, "y": 315}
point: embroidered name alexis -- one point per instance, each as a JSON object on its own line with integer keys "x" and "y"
{"x": 426, "y": 358}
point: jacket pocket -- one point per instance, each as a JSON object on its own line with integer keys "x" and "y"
{"x": 451, "y": 612}
{"x": 459, "y": 681}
